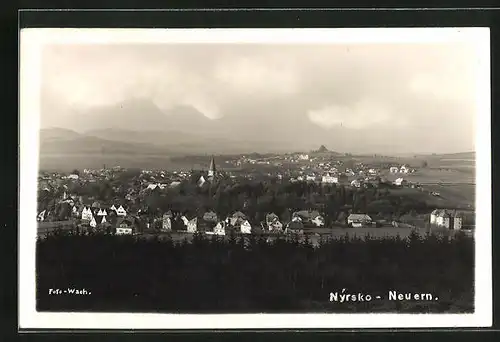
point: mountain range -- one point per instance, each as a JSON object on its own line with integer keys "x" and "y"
{"x": 139, "y": 126}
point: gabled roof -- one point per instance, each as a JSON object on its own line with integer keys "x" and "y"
{"x": 359, "y": 217}
{"x": 271, "y": 217}
{"x": 238, "y": 214}
{"x": 295, "y": 225}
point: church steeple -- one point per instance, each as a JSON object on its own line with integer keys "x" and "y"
{"x": 211, "y": 169}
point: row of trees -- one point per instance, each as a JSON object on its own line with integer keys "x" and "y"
{"x": 256, "y": 198}
{"x": 254, "y": 275}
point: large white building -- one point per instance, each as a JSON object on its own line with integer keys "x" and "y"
{"x": 329, "y": 179}
{"x": 442, "y": 218}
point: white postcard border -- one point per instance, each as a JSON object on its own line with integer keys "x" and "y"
{"x": 31, "y": 42}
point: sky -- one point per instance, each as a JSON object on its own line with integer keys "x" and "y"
{"x": 420, "y": 97}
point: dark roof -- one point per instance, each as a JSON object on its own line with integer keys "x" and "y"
{"x": 295, "y": 225}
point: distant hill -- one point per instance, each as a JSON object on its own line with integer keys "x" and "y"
{"x": 322, "y": 150}
{"x": 459, "y": 155}
{"x": 55, "y": 133}
{"x": 94, "y": 145}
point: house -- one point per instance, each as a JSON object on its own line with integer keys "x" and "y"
{"x": 303, "y": 157}
{"x": 73, "y": 176}
{"x": 318, "y": 221}
{"x": 87, "y": 214}
{"x": 356, "y": 183}
{"x": 210, "y": 216}
{"x": 113, "y": 208}
{"x": 100, "y": 220}
{"x": 273, "y": 223}
{"x": 295, "y": 227}
{"x": 201, "y": 181}
{"x": 93, "y": 222}
{"x": 446, "y": 219}
{"x": 328, "y": 179}
{"x": 458, "y": 221}
{"x": 310, "y": 178}
{"x": 174, "y": 184}
{"x": 41, "y": 216}
{"x": 121, "y": 211}
{"x": 394, "y": 169}
{"x": 220, "y": 228}
{"x": 372, "y": 171}
{"x": 245, "y": 227}
{"x": 102, "y": 212}
{"x": 166, "y": 224}
{"x": 151, "y": 187}
{"x": 237, "y": 218}
{"x": 302, "y": 215}
{"x": 191, "y": 225}
{"x": 358, "y": 220}
{"x": 399, "y": 182}
{"x": 124, "y": 227}
{"x": 404, "y": 169}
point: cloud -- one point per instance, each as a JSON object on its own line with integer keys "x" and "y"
{"x": 405, "y": 87}
{"x": 363, "y": 114}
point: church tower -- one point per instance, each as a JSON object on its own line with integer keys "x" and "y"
{"x": 211, "y": 169}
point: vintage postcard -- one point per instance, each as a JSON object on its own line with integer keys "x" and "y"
{"x": 255, "y": 179}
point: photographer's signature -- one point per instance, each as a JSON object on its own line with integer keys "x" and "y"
{"x": 70, "y": 291}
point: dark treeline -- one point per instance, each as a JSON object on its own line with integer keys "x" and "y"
{"x": 253, "y": 275}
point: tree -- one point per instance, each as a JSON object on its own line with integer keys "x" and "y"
{"x": 424, "y": 164}
{"x": 75, "y": 172}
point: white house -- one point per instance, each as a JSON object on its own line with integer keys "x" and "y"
{"x": 191, "y": 225}
{"x": 201, "y": 181}
{"x": 210, "y": 216}
{"x": 220, "y": 229}
{"x": 245, "y": 227}
{"x": 102, "y": 212}
{"x": 318, "y": 221}
{"x": 356, "y": 183}
{"x": 394, "y": 169}
{"x": 399, "y": 182}
{"x": 113, "y": 208}
{"x": 93, "y": 222}
{"x": 123, "y": 231}
{"x": 328, "y": 179}
{"x": 310, "y": 178}
{"x": 444, "y": 219}
{"x": 174, "y": 184}
{"x": 87, "y": 214}
{"x": 151, "y": 186}
{"x": 166, "y": 223}
{"x": 73, "y": 176}
{"x": 358, "y": 219}
{"x": 372, "y": 171}
{"x": 121, "y": 211}
{"x": 457, "y": 221}
{"x": 41, "y": 215}
{"x": 404, "y": 169}
{"x": 303, "y": 157}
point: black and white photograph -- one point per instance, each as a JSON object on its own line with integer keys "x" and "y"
{"x": 255, "y": 179}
